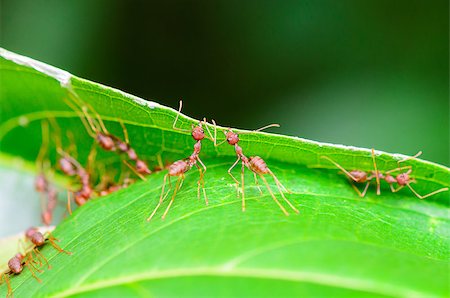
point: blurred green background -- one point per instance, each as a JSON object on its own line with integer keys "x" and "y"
{"x": 365, "y": 73}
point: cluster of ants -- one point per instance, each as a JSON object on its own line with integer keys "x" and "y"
{"x": 85, "y": 190}
{"x": 29, "y": 256}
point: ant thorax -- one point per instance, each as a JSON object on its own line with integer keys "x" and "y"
{"x": 197, "y": 133}
{"x": 389, "y": 179}
{"x": 360, "y": 176}
{"x": 66, "y": 166}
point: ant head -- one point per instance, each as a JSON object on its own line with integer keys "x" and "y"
{"x": 15, "y": 265}
{"x": 197, "y": 133}
{"x": 360, "y": 176}
{"x": 67, "y": 166}
{"x": 232, "y": 137}
{"x": 403, "y": 178}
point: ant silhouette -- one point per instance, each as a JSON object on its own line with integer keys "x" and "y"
{"x": 402, "y": 179}
{"x": 180, "y": 167}
{"x": 255, "y": 164}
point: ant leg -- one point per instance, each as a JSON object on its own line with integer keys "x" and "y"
{"x": 125, "y": 131}
{"x": 427, "y": 195}
{"x": 69, "y": 199}
{"x": 215, "y": 135}
{"x": 134, "y": 170}
{"x": 377, "y": 174}
{"x": 8, "y": 284}
{"x": 177, "y": 187}
{"x": 256, "y": 182}
{"x": 242, "y": 187}
{"x": 363, "y": 194}
{"x": 203, "y": 179}
{"x": 211, "y": 137}
{"x": 399, "y": 169}
{"x": 161, "y": 199}
{"x": 278, "y": 182}
{"x": 273, "y": 196}
{"x": 199, "y": 180}
{"x": 53, "y": 240}
{"x": 90, "y": 128}
{"x": 235, "y": 180}
{"x": 340, "y": 167}
{"x": 395, "y": 189}
{"x": 31, "y": 267}
{"x": 44, "y": 147}
{"x": 176, "y": 119}
{"x": 40, "y": 256}
{"x": 356, "y": 189}
{"x": 279, "y": 186}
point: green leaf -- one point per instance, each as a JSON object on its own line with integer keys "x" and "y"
{"x": 339, "y": 244}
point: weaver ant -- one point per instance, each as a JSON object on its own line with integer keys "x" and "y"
{"x": 178, "y": 168}
{"x": 107, "y": 141}
{"x": 402, "y": 179}
{"x": 255, "y": 164}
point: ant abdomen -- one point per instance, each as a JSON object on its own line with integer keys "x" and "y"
{"x": 67, "y": 167}
{"x": 177, "y": 168}
{"x": 106, "y": 142}
{"x": 258, "y": 165}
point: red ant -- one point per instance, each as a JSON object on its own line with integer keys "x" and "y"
{"x": 178, "y": 168}
{"x": 255, "y": 164}
{"x": 17, "y": 263}
{"x": 97, "y": 130}
{"x": 402, "y": 179}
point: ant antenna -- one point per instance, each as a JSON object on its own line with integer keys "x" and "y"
{"x": 411, "y": 157}
{"x": 268, "y": 126}
{"x": 377, "y": 176}
{"x": 176, "y": 119}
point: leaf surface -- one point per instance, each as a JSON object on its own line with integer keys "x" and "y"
{"x": 339, "y": 244}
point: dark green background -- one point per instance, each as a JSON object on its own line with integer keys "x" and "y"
{"x": 364, "y": 73}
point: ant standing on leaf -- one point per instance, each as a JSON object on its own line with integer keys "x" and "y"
{"x": 255, "y": 164}
{"x": 402, "y": 179}
{"x": 107, "y": 141}
{"x": 180, "y": 167}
